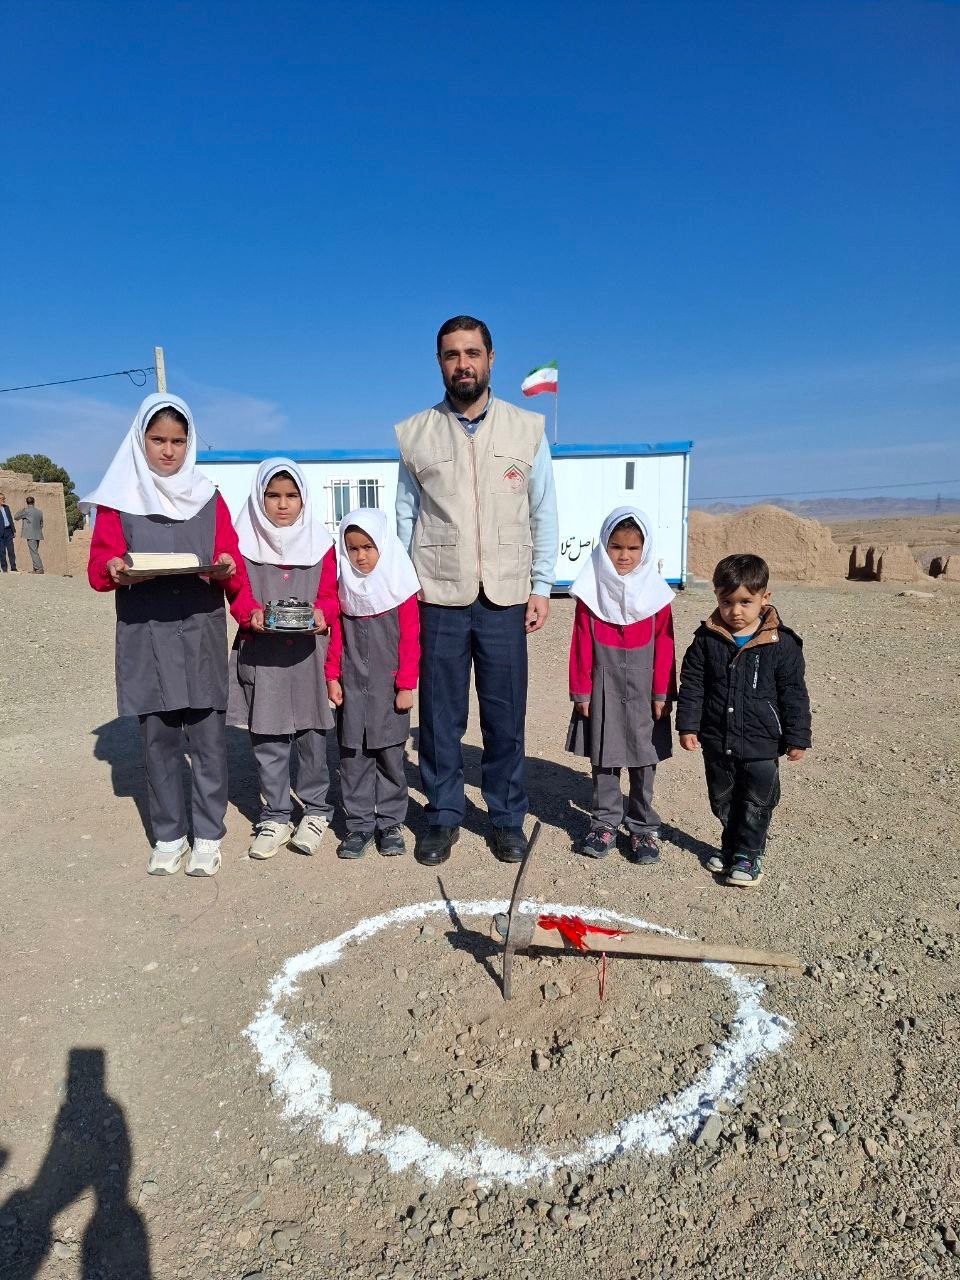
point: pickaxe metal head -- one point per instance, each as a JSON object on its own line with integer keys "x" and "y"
{"x": 514, "y": 932}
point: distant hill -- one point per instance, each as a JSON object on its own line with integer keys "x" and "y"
{"x": 827, "y": 509}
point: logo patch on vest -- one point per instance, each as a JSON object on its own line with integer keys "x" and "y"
{"x": 515, "y": 479}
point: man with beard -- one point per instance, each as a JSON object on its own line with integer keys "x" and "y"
{"x": 477, "y": 509}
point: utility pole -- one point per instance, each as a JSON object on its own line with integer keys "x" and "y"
{"x": 160, "y": 370}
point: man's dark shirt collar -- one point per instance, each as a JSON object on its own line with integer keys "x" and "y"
{"x": 470, "y": 424}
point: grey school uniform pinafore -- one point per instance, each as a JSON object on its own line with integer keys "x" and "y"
{"x": 371, "y": 732}
{"x": 171, "y": 668}
{"x": 621, "y": 732}
{"x": 278, "y": 689}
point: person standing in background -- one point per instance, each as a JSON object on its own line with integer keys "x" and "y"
{"x": 32, "y": 530}
{"x": 7, "y": 532}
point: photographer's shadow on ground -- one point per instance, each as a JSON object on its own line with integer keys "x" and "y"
{"x": 89, "y": 1155}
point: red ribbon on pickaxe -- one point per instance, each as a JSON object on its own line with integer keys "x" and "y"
{"x": 574, "y": 930}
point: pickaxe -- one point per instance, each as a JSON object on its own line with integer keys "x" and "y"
{"x": 520, "y": 931}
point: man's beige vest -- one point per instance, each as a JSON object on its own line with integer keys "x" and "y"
{"x": 474, "y": 520}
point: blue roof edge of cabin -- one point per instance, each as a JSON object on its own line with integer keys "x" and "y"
{"x": 635, "y": 450}
{"x": 564, "y": 584}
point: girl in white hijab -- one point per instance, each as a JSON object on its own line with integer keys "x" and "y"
{"x": 372, "y": 669}
{"x": 300, "y": 540}
{"x": 166, "y": 484}
{"x": 171, "y": 660}
{"x": 622, "y": 678}
{"x": 278, "y": 688}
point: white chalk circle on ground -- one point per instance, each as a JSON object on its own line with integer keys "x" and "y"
{"x": 304, "y": 1087}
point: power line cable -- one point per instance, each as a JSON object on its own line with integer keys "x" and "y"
{"x": 799, "y": 493}
{"x": 92, "y": 377}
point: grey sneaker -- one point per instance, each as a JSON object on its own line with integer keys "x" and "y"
{"x": 166, "y": 857}
{"x": 308, "y": 835}
{"x": 204, "y": 858}
{"x": 391, "y": 842}
{"x": 644, "y": 849}
{"x": 270, "y": 839}
{"x": 720, "y": 863}
{"x": 355, "y": 844}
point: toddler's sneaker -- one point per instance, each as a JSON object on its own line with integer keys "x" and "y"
{"x": 166, "y": 857}
{"x": 270, "y": 839}
{"x": 644, "y": 850}
{"x": 355, "y": 845}
{"x": 204, "y": 858}
{"x": 391, "y": 842}
{"x": 745, "y": 872}
{"x": 309, "y": 834}
{"x": 598, "y": 842}
{"x": 720, "y": 863}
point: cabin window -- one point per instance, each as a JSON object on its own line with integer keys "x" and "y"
{"x": 340, "y": 492}
{"x": 346, "y": 495}
{"x": 628, "y": 478}
{"x": 368, "y": 493}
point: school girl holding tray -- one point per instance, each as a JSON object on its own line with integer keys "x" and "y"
{"x": 372, "y": 667}
{"x": 278, "y": 688}
{"x": 622, "y": 679}
{"x": 171, "y": 639}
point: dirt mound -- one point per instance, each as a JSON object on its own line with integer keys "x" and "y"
{"x": 796, "y": 550}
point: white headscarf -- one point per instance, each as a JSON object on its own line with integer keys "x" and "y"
{"x": 129, "y": 485}
{"x": 637, "y": 594}
{"x": 393, "y": 578}
{"x": 305, "y": 542}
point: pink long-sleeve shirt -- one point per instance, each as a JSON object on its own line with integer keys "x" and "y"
{"x": 108, "y": 542}
{"x": 633, "y": 636}
{"x": 408, "y": 656}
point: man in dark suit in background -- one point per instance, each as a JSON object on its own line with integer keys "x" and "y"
{"x": 7, "y": 533}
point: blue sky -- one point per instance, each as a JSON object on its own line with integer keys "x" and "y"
{"x": 730, "y": 222}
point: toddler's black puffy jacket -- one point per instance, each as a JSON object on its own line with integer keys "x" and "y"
{"x": 750, "y": 703}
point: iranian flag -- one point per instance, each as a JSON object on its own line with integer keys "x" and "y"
{"x": 539, "y": 380}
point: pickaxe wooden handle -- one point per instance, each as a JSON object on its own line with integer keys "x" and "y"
{"x": 525, "y": 933}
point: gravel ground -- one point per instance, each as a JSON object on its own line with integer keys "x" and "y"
{"x": 839, "y": 1159}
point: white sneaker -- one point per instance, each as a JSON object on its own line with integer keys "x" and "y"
{"x": 204, "y": 858}
{"x": 166, "y": 856}
{"x": 309, "y": 834}
{"x": 270, "y": 839}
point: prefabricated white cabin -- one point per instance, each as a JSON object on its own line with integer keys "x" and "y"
{"x": 591, "y": 480}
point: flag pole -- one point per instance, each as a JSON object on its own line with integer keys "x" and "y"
{"x": 556, "y": 410}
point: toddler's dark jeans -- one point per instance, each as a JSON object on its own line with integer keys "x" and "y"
{"x": 743, "y": 795}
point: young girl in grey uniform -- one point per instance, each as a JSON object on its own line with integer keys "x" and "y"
{"x": 622, "y": 679}
{"x": 372, "y": 668}
{"x": 171, "y": 663}
{"x": 278, "y": 688}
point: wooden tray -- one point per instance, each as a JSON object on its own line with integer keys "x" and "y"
{"x": 208, "y": 570}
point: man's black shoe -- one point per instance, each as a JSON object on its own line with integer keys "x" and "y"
{"x": 434, "y": 845}
{"x": 509, "y": 844}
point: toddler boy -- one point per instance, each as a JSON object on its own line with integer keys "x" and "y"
{"x": 744, "y": 699}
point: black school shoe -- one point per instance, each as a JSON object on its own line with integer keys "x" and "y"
{"x": 644, "y": 850}
{"x": 433, "y": 845}
{"x": 355, "y": 845}
{"x": 509, "y": 844}
{"x": 391, "y": 842}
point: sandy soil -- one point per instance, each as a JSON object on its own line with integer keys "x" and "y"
{"x": 840, "y": 1158}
